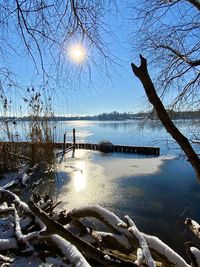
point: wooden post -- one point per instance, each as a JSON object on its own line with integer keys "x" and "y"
{"x": 64, "y": 143}
{"x": 74, "y": 138}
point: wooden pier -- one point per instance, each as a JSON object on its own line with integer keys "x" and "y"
{"x": 65, "y": 147}
{"x": 115, "y": 148}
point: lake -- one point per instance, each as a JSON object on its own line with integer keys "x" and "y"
{"x": 157, "y": 192}
{"x": 129, "y": 132}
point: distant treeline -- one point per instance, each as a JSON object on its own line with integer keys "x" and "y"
{"x": 177, "y": 115}
{"x": 117, "y": 116}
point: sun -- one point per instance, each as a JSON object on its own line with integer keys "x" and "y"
{"x": 77, "y": 53}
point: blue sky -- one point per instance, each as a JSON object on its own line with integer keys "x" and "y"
{"x": 95, "y": 86}
{"x": 121, "y": 91}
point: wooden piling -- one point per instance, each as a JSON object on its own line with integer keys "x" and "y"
{"x": 64, "y": 143}
{"x": 74, "y": 138}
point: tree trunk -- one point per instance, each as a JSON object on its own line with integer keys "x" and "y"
{"x": 142, "y": 73}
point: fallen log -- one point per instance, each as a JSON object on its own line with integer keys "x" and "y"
{"x": 52, "y": 227}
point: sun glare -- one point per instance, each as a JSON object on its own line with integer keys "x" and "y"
{"x": 77, "y": 53}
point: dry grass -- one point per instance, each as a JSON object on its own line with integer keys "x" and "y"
{"x": 40, "y": 140}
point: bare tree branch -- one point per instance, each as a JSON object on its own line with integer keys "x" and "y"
{"x": 142, "y": 73}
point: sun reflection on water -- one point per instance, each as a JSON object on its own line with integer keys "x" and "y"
{"x": 95, "y": 179}
{"x": 79, "y": 177}
{"x": 86, "y": 184}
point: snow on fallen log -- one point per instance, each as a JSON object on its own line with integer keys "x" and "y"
{"x": 16, "y": 200}
{"x": 164, "y": 250}
{"x": 70, "y": 251}
{"x": 140, "y": 257}
{"x": 20, "y": 236}
{"x": 196, "y": 254}
{"x": 20, "y": 204}
{"x": 143, "y": 244}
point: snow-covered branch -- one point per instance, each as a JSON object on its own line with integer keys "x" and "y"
{"x": 142, "y": 241}
{"x": 164, "y": 250}
{"x": 196, "y": 254}
{"x": 70, "y": 251}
